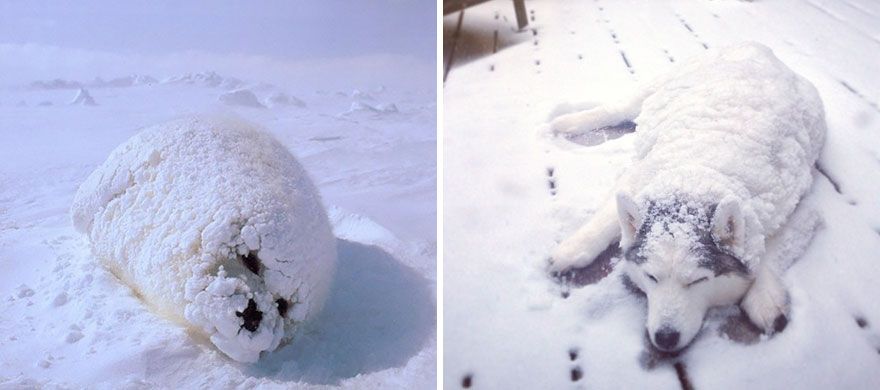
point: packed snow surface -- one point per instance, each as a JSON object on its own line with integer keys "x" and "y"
{"x": 71, "y": 323}
{"x": 202, "y": 217}
{"x": 510, "y": 196}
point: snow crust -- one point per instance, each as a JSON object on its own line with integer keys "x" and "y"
{"x": 174, "y": 208}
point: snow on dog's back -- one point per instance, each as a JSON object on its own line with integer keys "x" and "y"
{"x": 771, "y": 130}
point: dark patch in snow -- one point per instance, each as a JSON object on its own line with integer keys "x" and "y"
{"x": 251, "y": 316}
{"x": 681, "y": 372}
{"x": 861, "y": 322}
{"x": 576, "y": 374}
{"x": 626, "y": 61}
{"x": 592, "y": 273}
{"x": 740, "y": 329}
{"x": 551, "y": 181}
{"x": 252, "y": 262}
{"x": 573, "y": 354}
{"x": 603, "y": 134}
{"x": 687, "y": 26}
{"x": 538, "y": 62}
{"x": 467, "y": 381}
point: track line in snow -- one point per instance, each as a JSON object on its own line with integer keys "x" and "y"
{"x": 681, "y": 372}
{"x": 843, "y": 21}
{"x": 865, "y": 327}
{"x": 690, "y": 29}
{"x": 615, "y": 38}
{"x": 860, "y": 8}
{"x": 859, "y": 95}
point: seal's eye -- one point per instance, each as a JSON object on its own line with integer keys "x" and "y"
{"x": 653, "y": 279}
{"x": 700, "y": 280}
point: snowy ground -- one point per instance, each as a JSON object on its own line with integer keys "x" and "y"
{"x": 510, "y": 196}
{"x": 69, "y": 323}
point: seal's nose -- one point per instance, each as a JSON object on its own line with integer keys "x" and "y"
{"x": 251, "y": 316}
{"x": 666, "y": 338}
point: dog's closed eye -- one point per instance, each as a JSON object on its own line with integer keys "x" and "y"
{"x": 653, "y": 279}
{"x": 700, "y": 280}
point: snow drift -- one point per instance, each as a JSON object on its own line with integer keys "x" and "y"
{"x": 83, "y": 98}
{"x": 281, "y": 99}
{"x": 215, "y": 225}
{"x": 241, "y": 97}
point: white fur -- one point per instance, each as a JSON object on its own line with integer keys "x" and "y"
{"x": 736, "y": 128}
{"x": 171, "y": 211}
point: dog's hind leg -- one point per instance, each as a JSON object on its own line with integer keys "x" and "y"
{"x": 606, "y": 115}
{"x": 582, "y": 247}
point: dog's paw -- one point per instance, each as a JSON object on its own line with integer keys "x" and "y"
{"x": 564, "y": 257}
{"x": 767, "y": 305}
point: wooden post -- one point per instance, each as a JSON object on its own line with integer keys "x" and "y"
{"x": 454, "y": 43}
{"x": 521, "y": 19}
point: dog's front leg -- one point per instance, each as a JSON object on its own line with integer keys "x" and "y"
{"x": 767, "y": 302}
{"x": 582, "y": 247}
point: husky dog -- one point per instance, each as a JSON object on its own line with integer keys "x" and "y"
{"x": 708, "y": 213}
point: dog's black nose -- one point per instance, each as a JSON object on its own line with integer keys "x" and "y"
{"x": 666, "y": 338}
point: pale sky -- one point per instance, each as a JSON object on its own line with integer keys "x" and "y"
{"x": 295, "y": 29}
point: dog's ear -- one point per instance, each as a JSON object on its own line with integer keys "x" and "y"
{"x": 630, "y": 219}
{"x": 728, "y": 225}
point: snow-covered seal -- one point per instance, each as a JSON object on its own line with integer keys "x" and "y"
{"x": 216, "y": 226}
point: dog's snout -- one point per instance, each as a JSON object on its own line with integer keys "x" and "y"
{"x": 666, "y": 338}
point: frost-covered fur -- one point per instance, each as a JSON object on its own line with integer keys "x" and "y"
{"x": 176, "y": 210}
{"x": 729, "y": 139}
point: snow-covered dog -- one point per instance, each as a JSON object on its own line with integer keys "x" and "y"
{"x": 708, "y": 214}
{"x": 215, "y": 225}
